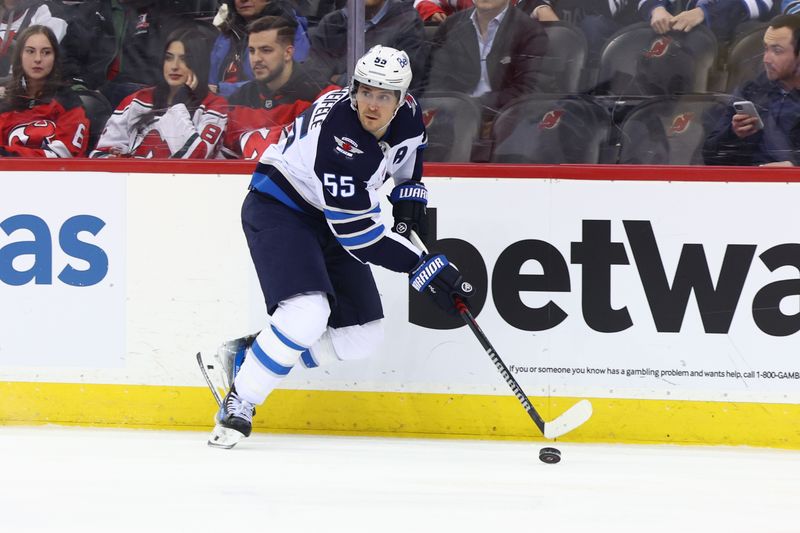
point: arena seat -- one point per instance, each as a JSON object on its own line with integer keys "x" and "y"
{"x": 745, "y": 56}
{"x": 453, "y": 121}
{"x": 551, "y": 129}
{"x": 566, "y": 57}
{"x": 636, "y": 60}
{"x": 669, "y": 130}
{"x": 97, "y": 111}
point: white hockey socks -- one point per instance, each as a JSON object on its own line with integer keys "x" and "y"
{"x": 345, "y": 344}
{"x": 296, "y": 324}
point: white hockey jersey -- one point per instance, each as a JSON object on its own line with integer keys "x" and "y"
{"x": 174, "y": 134}
{"x": 328, "y": 165}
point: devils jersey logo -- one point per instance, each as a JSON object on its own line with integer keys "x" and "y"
{"x": 255, "y": 142}
{"x": 658, "y": 47}
{"x": 680, "y": 123}
{"x": 152, "y": 145}
{"x": 34, "y": 134}
{"x": 551, "y": 119}
{"x": 428, "y": 115}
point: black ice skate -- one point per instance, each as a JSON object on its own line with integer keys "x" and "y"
{"x": 234, "y": 421}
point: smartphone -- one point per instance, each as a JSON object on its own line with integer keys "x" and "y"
{"x": 746, "y": 107}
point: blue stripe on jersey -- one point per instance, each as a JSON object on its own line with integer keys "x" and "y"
{"x": 285, "y": 340}
{"x": 361, "y": 239}
{"x": 308, "y": 360}
{"x": 268, "y": 362}
{"x": 334, "y": 216}
{"x": 263, "y": 183}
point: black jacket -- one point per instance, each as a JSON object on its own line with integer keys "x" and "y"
{"x": 90, "y": 44}
{"x": 513, "y": 63}
{"x": 778, "y": 141}
{"x": 400, "y": 28}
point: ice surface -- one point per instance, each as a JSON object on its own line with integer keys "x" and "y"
{"x": 85, "y": 480}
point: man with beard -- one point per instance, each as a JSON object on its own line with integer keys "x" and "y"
{"x": 281, "y": 90}
{"x": 230, "y": 62}
{"x": 772, "y": 138}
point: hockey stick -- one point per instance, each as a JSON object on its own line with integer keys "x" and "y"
{"x": 569, "y": 420}
{"x": 204, "y": 370}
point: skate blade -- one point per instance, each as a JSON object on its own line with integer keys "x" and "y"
{"x": 225, "y": 438}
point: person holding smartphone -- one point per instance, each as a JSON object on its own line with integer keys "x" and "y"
{"x": 762, "y": 124}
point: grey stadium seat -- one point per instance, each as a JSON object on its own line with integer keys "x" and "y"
{"x": 566, "y": 57}
{"x": 453, "y": 123}
{"x": 745, "y": 57}
{"x": 637, "y": 61}
{"x": 669, "y": 130}
{"x": 551, "y": 129}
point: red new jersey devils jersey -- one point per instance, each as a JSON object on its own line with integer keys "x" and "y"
{"x": 54, "y": 128}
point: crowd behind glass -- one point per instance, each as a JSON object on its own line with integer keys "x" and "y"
{"x": 695, "y": 82}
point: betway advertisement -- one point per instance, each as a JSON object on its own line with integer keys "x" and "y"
{"x": 629, "y": 289}
{"x": 62, "y": 269}
{"x": 635, "y": 289}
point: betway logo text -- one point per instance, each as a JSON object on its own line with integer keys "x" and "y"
{"x": 38, "y": 251}
{"x": 716, "y": 294}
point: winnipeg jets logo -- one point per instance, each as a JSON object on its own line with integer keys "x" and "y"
{"x": 681, "y": 123}
{"x": 551, "y": 119}
{"x": 659, "y": 47}
{"x": 347, "y": 147}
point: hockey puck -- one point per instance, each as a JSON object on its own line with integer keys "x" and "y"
{"x": 549, "y": 455}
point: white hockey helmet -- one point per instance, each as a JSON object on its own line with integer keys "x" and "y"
{"x": 385, "y": 68}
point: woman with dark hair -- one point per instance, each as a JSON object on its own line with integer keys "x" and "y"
{"x": 178, "y": 118}
{"x": 39, "y": 115}
{"x": 230, "y": 58}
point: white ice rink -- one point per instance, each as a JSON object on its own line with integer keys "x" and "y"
{"x": 92, "y": 480}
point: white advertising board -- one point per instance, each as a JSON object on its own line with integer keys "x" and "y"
{"x": 62, "y": 269}
{"x": 672, "y": 290}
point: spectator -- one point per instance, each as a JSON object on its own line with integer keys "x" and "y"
{"x": 790, "y": 7}
{"x": 282, "y": 89}
{"x": 393, "y": 23}
{"x": 178, "y": 118}
{"x": 491, "y": 52}
{"x": 601, "y": 18}
{"x": 15, "y": 16}
{"x": 436, "y": 11}
{"x": 116, "y": 46}
{"x": 737, "y": 140}
{"x": 230, "y": 64}
{"x": 40, "y": 116}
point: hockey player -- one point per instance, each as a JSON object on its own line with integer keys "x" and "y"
{"x": 39, "y": 116}
{"x": 313, "y": 220}
{"x": 178, "y": 118}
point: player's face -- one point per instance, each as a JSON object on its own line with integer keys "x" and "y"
{"x": 248, "y": 9}
{"x": 268, "y": 57}
{"x": 176, "y": 71}
{"x": 37, "y": 57}
{"x": 375, "y": 107}
{"x": 780, "y": 61}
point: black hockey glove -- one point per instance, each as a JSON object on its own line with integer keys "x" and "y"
{"x": 409, "y": 203}
{"x": 436, "y": 276}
